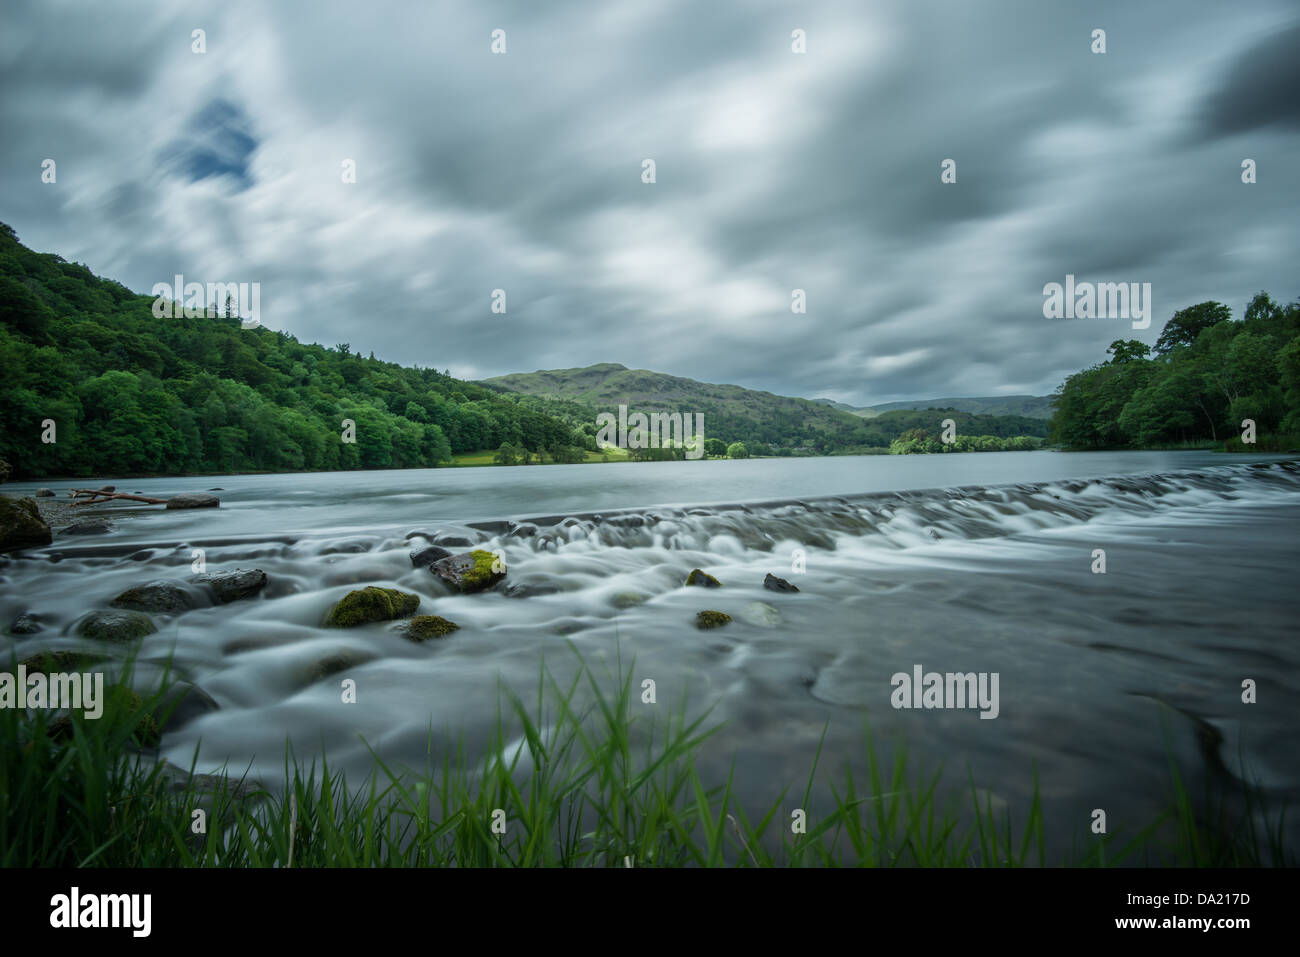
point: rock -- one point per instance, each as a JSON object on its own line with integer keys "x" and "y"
{"x": 118, "y": 701}
{"x": 232, "y": 585}
{"x": 116, "y": 626}
{"x": 760, "y": 613}
{"x": 87, "y": 528}
{"x": 425, "y": 555}
{"x": 772, "y": 583}
{"x": 47, "y": 661}
{"x": 217, "y": 489}
{"x": 531, "y": 590}
{"x": 181, "y": 704}
{"x": 454, "y": 541}
{"x": 470, "y": 572}
{"x": 711, "y": 619}
{"x": 25, "y": 624}
{"x": 225, "y": 788}
{"x": 523, "y": 530}
{"x": 370, "y": 604}
{"x": 108, "y": 488}
{"x": 21, "y": 525}
{"x": 333, "y": 664}
{"x": 193, "y": 500}
{"x": 45, "y": 493}
{"x": 628, "y": 599}
{"x": 164, "y": 596}
{"x": 702, "y": 578}
{"x": 424, "y": 627}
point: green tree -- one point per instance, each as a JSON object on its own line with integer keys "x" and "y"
{"x": 737, "y": 450}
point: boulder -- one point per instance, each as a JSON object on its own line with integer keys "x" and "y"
{"x": 470, "y": 572}
{"x": 772, "y": 583}
{"x": 454, "y": 541}
{"x": 425, "y": 555}
{"x": 193, "y": 500}
{"x": 366, "y": 605}
{"x": 164, "y": 596}
{"x": 45, "y": 493}
{"x": 703, "y": 579}
{"x": 116, "y": 626}
{"x": 424, "y": 627}
{"x": 760, "y": 613}
{"x": 232, "y": 585}
{"x": 21, "y": 525}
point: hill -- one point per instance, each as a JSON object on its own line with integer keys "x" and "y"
{"x": 132, "y": 394}
{"x": 1028, "y": 406}
{"x": 766, "y": 423}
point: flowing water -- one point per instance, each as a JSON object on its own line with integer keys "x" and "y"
{"x": 955, "y": 563}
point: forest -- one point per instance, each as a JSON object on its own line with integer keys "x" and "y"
{"x": 1209, "y": 380}
{"x": 93, "y": 384}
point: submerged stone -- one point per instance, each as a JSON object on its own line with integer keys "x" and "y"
{"x": 116, "y": 626}
{"x": 163, "y": 596}
{"x": 371, "y": 604}
{"x": 772, "y": 583}
{"x": 702, "y": 578}
{"x": 233, "y": 585}
{"x": 193, "y": 500}
{"x": 424, "y": 627}
{"x": 711, "y": 619}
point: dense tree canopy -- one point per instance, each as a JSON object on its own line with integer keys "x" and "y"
{"x": 1209, "y": 374}
{"x": 129, "y": 393}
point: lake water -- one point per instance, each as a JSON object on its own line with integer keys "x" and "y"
{"x": 955, "y": 563}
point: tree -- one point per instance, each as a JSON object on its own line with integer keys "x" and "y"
{"x": 1127, "y": 350}
{"x": 715, "y": 447}
{"x": 1188, "y": 323}
{"x": 737, "y": 450}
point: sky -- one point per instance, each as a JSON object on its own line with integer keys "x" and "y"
{"x": 774, "y": 170}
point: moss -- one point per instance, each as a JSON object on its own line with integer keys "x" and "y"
{"x": 116, "y": 626}
{"x": 424, "y": 627}
{"x": 711, "y": 619}
{"x": 481, "y": 574}
{"x": 703, "y": 578}
{"x": 369, "y": 604}
{"x": 48, "y": 661}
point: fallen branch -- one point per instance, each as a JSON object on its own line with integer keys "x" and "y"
{"x": 98, "y": 497}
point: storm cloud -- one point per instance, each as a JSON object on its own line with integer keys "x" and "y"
{"x": 775, "y": 171}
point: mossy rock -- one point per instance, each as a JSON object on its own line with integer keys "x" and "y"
{"x": 628, "y": 599}
{"x": 470, "y": 572}
{"x": 711, "y": 619}
{"x": 21, "y": 525}
{"x": 702, "y": 578}
{"x": 424, "y": 627}
{"x": 370, "y": 604}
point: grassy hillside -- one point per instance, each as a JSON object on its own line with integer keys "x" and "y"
{"x": 766, "y": 423}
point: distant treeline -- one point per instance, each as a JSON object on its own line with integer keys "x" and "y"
{"x": 1207, "y": 375}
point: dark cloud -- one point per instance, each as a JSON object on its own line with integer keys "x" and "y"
{"x": 1260, "y": 91}
{"x": 775, "y": 171}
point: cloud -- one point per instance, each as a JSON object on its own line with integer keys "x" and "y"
{"x": 775, "y": 171}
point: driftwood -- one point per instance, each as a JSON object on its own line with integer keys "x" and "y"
{"x": 98, "y": 495}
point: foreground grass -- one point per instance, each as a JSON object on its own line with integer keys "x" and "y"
{"x": 570, "y": 786}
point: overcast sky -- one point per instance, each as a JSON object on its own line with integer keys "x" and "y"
{"x": 775, "y": 171}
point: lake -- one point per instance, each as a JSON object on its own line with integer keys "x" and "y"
{"x": 979, "y": 563}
